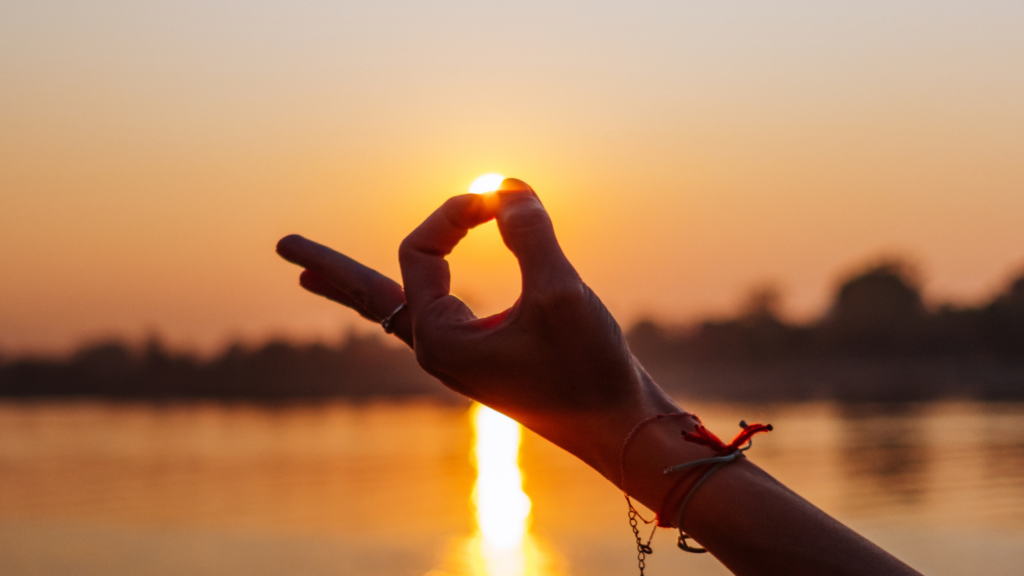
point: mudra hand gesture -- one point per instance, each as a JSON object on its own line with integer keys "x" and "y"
{"x": 557, "y": 362}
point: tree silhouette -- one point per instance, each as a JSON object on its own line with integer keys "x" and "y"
{"x": 878, "y": 341}
{"x": 879, "y": 311}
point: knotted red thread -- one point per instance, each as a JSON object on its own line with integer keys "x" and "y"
{"x": 701, "y": 435}
{"x": 726, "y": 453}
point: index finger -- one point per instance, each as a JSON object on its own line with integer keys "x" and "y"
{"x": 425, "y": 272}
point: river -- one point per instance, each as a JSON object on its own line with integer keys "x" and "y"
{"x": 387, "y": 488}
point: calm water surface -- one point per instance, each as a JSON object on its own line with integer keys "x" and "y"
{"x": 92, "y": 488}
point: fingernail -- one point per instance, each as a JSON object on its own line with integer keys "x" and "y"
{"x": 514, "y": 185}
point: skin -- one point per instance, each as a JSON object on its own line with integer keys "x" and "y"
{"x": 557, "y": 362}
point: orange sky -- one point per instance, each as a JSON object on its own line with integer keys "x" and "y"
{"x": 152, "y": 153}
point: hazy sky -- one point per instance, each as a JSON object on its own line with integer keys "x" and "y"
{"x": 151, "y": 153}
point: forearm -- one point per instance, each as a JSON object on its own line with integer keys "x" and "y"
{"x": 756, "y": 525}
{"x": 747, "y": 519}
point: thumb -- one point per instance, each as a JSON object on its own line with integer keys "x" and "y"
{"x": 527, "y": 231}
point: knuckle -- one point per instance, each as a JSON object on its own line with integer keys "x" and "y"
{"x": 359, "y": 296}
{"x": 454, "y": 205}
{"x": 406, "y": 247}
{"x": 362, "y": 290}
{"x": 527, "y": 219}
{"x": 561, "y": 295}
{"x": 381, "y": 296}
{"x": 407, "y": 251}
{"x": 454, "y": 211}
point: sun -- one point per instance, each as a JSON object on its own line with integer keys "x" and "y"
{"x": 486, "y": 183}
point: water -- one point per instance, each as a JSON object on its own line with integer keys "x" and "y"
{"x": 93, "y": 488}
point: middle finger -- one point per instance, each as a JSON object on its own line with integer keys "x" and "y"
{"x": 374, "y": 295}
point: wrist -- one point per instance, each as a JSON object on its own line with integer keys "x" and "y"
{"x": 597, "y": 435}
{"x": 657, "y": 446}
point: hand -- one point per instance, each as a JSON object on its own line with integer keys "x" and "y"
{"x": 556, "y": 360}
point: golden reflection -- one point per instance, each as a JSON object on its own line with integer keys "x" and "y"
{"x": 502, "y": 545}
{"x": 502, "y": 508}
{"x": 527, "y": 558}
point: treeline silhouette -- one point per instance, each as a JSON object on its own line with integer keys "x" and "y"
{"x": 877, "y": 342}
{"x": 360, "y": 367}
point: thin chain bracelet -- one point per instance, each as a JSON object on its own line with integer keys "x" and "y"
{"x": 642, "y": 549}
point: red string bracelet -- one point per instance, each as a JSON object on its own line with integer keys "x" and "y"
{"x": 726, "y": 453}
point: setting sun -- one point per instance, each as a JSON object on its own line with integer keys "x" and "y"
{"x": 486, "y": 183}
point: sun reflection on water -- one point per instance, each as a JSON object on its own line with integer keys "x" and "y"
{"x": 502, "y": 508}
{"x": 502, "y": 545}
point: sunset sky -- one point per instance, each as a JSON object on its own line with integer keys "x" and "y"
{"x": 151, "y": 153}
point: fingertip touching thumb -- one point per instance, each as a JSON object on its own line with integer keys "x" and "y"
{"x": 514, "y": 185}
{"x": 526, "y": 228}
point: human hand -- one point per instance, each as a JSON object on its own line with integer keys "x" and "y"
{"x": 555, "y": 360}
